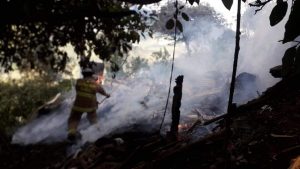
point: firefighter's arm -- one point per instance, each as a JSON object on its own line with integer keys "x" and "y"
{"x": 102, "y": 91}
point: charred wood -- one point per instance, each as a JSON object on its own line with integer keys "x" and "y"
{"x": 176, "y": 106}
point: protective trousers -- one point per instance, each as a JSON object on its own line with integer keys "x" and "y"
{"x": 75, "y": 117}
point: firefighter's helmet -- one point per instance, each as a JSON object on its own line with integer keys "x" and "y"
{"x": 87, "y": 72}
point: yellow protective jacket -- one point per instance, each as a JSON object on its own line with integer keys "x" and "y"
{"x": 86, "y": 100}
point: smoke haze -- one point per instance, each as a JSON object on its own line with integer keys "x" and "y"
{"x": 204, "y": 58}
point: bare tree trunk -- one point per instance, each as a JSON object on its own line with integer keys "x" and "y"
{"x": 235, "y": 62}
{"x": 231, "y": 107}
{"x": 176, "y": 106}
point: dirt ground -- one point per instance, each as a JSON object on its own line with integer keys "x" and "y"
{"x": 265, "y": 134}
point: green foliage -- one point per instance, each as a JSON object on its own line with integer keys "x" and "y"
{"x": 278, "y": 12}
{"x": 127, "y": 67}
{"x": 32, "y": 35}
{"x": 292, "y": 30}
{"x": 185, "y": 16}
{"x": 228, "y": 3}
{"x": 136, "y": 64}
{"x": 289, "y": 61}
{"x": 161, "y": 56}
{"x": 179, "y": 26}
{"x": 192, "y": 1}
{"x": 170, "y": 24}
{"x": 20, "y": 98}
{"x": 166, "y": 20}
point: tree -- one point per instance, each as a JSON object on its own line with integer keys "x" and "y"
{"x": 188, "y": 12}
{"x": 32, "y": 32}
{"x": 279, "y": 11}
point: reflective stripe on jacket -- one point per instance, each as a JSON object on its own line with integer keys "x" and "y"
{"x": 86, "y": 100}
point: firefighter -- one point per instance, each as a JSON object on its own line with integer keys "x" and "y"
{"x": 85, "y": 101}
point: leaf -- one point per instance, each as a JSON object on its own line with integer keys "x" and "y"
{"x": 185, "y": 16}
{"x": 170, "y": 24}
{"x": 181, "y": 7}
{"x": 197, "y": 1}
{"x": 179, "y": 26}
{"x": 244, "y": 0}
{"x": 191, "y": 1}
{"x": 228, "y": 3}
{"x": 292, "y": 30}
{"x": 288, "y": 61}
{"x": 278, "y": 13}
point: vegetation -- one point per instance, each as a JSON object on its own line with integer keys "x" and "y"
{"x": 278, "y": 13}
{"x": 188, "y": 12}
{"x": 33, "y": 32}
{"x": 32, "y": 35}
{"x": 134, "y": 64}
{"x": 22, "y": 97}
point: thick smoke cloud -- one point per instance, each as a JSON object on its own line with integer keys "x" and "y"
{"x": 206, "y": 67}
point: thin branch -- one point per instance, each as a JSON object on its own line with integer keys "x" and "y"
{"x": 296, "y": 41}
{"x": 235, "y": 61}
{"x": 141, "y": 2}
{"x": 259, "y": 4}
{"x": 172, "y": 68}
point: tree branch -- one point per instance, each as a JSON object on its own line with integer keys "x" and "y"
{"x": 59, "y": 18}
{"x": 142, "y": 2}
{"x": 21, "y": 12}
{"x": 235, "y": 63}
{"x": 259, "y": 4}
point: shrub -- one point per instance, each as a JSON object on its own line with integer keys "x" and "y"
{"x": 20, "y": 98}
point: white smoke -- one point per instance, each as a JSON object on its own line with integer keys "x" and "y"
{"x": 206, "y": 68}
{"x": 260, "y": 46}
{"x": 49, "y": 128}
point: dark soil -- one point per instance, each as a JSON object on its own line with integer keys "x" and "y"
{"x": 265, "y": 134}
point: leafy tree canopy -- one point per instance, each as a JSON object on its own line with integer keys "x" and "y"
{"x": 292, "y": 30}
{"x": 32, "y": 32}
{"x": 186, "y": 12}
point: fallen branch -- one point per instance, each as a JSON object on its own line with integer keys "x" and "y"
{"x": 281, "y": 136}
{"x": 199, "y": 122}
